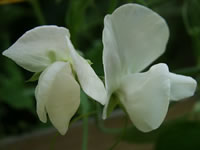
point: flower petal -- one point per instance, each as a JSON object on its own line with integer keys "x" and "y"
{"x": 58, "y": 94}
{"x": 181, "y": 86}
{"x": 111, "y": 59}
{"x": 39, "y": 47}
{"x": 133, "y": 37}
{"x": 88, "y": 79}
{"x": 145, "y": 97}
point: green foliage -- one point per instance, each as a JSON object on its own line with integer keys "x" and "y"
{"x": 85, "y": 109}
{"x": 182, "y": 135}
{"x": 76, "y": 16}
{"x": 191, "y": 15}
{"x": 13, "y": 91}
{"x": 197, "y": 107}
{"x": 112, "y": 104}
{"x": 17, "y": 106}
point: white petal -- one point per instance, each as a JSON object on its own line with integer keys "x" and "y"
{"x": 58, "y": 94}
{"x": 133, "y": 37}
{"x": 111, "y": 59}
{"x": 181, "y": 86}
{"x": 39, "y": 47}
{"x": 88, "y": 79}
{"x": 145, "y": 97}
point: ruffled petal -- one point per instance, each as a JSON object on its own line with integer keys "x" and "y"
{"x": 39, "y": 47}
{"x": 181, "y": 86}
{"x": 88, "y": 79}
{"x": 57, "y": 94}
{"x": 133, "y": 37}
{"x": 145, "y": 97}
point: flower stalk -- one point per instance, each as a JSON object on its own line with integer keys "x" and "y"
{"x": 38, "y": 11}
{"x": 85, "y": 110}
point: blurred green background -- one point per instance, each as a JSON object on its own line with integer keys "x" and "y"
{"x": 84, "y": 18}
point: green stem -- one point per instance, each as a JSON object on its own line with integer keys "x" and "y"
{"x": 53, "y": 142}
{"x": 38, "y": 11}
{"x": 115, "y": 144}
{"x": 85, "y": 109}
{"x": 196, "y": 43}
{"x": 194, "y": 34}
{"x": 85, "y": 134}
{"x": 82, "y": 116}
{"x": 100, "y": 123}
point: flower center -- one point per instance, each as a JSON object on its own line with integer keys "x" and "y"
{"x": 53, "y": 57}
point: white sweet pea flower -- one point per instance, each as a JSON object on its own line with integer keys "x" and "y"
{"x": 48, "y": 49}
{"x": 133, "y": 37}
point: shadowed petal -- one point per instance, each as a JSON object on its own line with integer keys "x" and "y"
{"x": 88, "y": 79}
{"x": 57, "y": 94}
{"x": 181, "y": 86}
{"x": 146, "y": 97}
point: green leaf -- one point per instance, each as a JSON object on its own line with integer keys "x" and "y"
{"x": 196, "y": 108}
{"x": 34, "y": 77}
{"x": 85, "y": 109}
{"x": 89, "y": 62}
{"x": 76, "y": 19}
{"x": 183, "y": 135}
{"x": 112, "y": 104}
{"x": 191, "y": 15}
{"x": 84, "y": 103}
{"x": 13, "y": 91}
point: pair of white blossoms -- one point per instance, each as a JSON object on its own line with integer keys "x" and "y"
{"x": 133, "y": 37}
